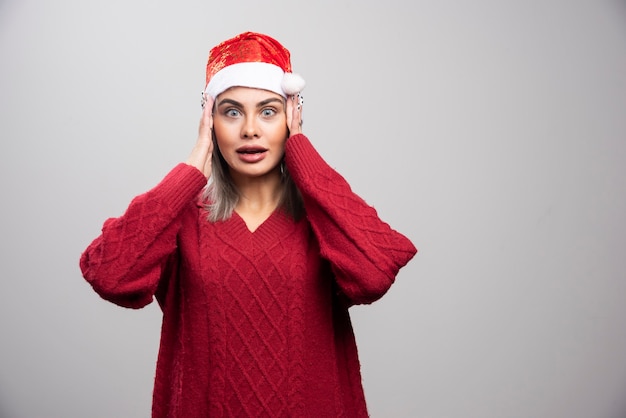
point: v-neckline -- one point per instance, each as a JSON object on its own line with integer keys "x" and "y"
{"x": 265, "y": 221}
{"x": 270, "y": 232}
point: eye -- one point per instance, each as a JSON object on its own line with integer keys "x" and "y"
{"x": 268, "y": 112}
{"x": 232, "y": 112}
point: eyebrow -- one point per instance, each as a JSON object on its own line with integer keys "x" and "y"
{"x": 260, "y": 104}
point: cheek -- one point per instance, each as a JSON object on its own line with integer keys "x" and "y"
{"x": 217, "y": 130}
{"x": 222, "y": 137}
{"x": 281, "y": 134}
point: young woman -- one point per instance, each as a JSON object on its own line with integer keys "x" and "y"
{"x": 254, "y": 249}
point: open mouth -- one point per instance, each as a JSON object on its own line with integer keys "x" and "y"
{"x": 251, "y": 150}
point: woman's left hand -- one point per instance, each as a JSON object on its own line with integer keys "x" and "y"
{"x": 294, "y": 114}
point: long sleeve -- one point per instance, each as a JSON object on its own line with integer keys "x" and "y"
{"x": 125, "y": 262}
{"x": 364, "y": 252}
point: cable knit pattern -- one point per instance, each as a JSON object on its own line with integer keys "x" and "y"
{"x": 366, "y": 253}
{"x": 254, "y": 323}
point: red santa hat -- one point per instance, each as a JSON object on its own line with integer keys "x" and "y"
{"x": 251, "y": 60}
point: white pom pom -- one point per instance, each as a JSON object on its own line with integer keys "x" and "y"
{"x": 292, "y": 83}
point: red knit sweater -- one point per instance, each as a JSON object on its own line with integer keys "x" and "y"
{"x": 254, "y": 323}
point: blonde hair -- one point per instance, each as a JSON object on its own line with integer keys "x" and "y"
{"x": 221, "y": 194}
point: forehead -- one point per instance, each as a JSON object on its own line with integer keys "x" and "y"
{"x": 248, "y": 95}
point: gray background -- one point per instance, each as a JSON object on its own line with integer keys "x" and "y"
{"x": 492, "y": 133}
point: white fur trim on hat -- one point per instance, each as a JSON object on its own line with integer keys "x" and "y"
{"x": 260, "y": 75}
{"x": 292, "y": 83}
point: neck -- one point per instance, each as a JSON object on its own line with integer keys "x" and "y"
{"x": 258, "y": 194}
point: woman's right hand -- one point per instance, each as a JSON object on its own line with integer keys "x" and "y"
{"x": 200, "y": 156}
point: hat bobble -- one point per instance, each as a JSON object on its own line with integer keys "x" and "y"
{"x": 292, "y": 83}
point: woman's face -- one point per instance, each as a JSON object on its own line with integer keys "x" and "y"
{"x": 251, "y": 129}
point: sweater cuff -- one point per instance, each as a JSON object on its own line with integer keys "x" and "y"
{"x": 180, "y": 186}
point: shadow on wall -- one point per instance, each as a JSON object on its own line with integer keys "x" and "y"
{"x": 4, "y": 6}
{"x": 3, "y": 412}
{"x": 621, "y": 5}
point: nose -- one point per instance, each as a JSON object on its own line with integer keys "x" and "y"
{"x": 250, "y": 128}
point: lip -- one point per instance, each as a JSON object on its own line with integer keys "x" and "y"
{"x": 251, "y": 153}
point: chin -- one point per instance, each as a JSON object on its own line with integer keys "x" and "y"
{"x": 255, "y": 172}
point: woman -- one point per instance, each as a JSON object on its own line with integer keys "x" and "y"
{"x": 255, "y": 271}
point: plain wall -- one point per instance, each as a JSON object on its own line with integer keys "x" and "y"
{"x": 492, "y": 133}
